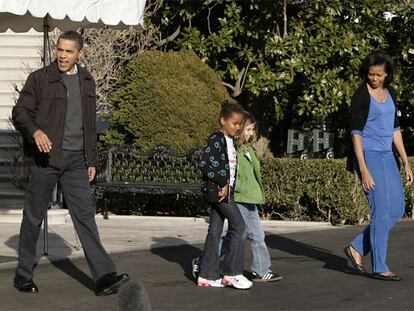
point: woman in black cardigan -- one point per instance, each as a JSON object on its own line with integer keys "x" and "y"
{"x": 374, "y": 129}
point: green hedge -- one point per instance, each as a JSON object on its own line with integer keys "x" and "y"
{"x": 311, "y": 190}
{"x": 320, "y": 190}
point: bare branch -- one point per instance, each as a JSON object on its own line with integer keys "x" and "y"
{"x": 231, "y": 87}
{"x": 241, "y": 79}
{"x": 169, "y": 38}
{"x": 108, "y": 51}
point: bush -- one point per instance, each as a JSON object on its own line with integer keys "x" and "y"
{"x": 310, "y": 190}
{"x": 165, "y": 98}
{"x": 320, "y": 190}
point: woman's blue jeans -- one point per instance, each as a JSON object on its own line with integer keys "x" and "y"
{"x": 386, "y": 202}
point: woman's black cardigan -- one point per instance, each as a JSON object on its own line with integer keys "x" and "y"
{"x": 359, "y": 114}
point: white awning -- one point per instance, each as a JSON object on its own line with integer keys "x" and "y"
{"x": 21, "y": 15}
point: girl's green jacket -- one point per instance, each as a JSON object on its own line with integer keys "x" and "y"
{"x": 249, "y": 188}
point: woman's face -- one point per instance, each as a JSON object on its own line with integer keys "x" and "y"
{"x": 249, "y": 131}
{"x": 376, "y": 76}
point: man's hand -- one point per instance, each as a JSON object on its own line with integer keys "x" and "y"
{"x": 223, "y": 193}
{"x": 91, "y": 173}
{"x": 43, "y": 142}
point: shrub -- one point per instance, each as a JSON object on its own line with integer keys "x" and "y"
{"x": 320, "y": 190}
{"x": 165, "y": 98}
{"x": 310, "y": 190}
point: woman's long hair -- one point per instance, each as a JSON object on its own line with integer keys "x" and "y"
{"x": 377, "y": 59}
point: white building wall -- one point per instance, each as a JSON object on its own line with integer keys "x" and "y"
{"x": 20, "y": 53}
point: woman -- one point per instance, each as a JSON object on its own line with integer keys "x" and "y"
{"x": 374, "y": 128}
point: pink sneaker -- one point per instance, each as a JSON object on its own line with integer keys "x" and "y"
{"x": 209, "y": 283}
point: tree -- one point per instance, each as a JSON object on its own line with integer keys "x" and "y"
{"x": 292, "y": 63}
{"x": 305, "y": 73}
{"x": 401, "y": 40}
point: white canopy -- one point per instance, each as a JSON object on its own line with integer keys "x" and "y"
{"x": 21, "y": 15}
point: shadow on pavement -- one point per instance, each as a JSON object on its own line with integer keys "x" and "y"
{"x": 293, "y": 247}
{"x": 181, "y": 255}
{"x": 67, "y": 266}
{"x": 62, "y": 249}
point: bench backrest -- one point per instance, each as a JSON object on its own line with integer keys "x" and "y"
{"x": 160, "y": 165}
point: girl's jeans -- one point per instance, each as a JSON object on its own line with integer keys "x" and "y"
{"x": 234, "y": 258}
{"x": 261, "y": 262}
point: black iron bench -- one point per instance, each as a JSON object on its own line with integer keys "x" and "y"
{"x": 159, "y": 171}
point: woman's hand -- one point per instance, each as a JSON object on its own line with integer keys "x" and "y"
{"x": 408, "y": 174}
{"x": 367, "y": 181}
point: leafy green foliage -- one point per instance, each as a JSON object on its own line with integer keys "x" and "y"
{"x": 306, "y": 74}
{"x": 168, "y": 98}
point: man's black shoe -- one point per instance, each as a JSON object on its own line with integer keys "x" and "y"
{"x": 24, "y": 285}
{"x": 110, "y": 283}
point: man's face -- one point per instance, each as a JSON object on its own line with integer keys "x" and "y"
{"x": 67, "y": 54}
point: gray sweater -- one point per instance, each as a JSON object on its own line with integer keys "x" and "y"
{"x": 73, "y": 133}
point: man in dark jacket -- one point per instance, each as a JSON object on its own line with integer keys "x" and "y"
{"x": 56, "y": 114}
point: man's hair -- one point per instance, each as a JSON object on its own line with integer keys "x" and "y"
{"x": 378, "y": 58}
{"x": 73, "y": 36}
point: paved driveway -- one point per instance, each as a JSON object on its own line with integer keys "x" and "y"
{"x": 317, "y": 277}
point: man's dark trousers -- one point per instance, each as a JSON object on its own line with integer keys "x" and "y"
{"x": 73, "y": 177}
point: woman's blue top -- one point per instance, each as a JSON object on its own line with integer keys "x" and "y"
{"x": 378, "y": 131}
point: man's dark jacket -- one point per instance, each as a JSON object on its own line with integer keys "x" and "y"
{"x": 42, "y": 105}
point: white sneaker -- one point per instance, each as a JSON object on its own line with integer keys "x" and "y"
{"x": 212, "y": 283}
{"x": 237, "y": 281}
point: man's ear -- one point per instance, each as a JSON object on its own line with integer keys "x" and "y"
{"x": 81, "y": 55}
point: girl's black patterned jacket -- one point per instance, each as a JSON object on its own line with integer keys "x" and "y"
{"x": 214, "y": 165}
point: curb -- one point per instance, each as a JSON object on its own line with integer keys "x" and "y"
{"x": 205, "y": 220}
{"x": 273, "y": 223}
{"x": 154, "y": 218}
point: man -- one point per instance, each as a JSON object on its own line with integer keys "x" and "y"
{"x": 56, "y": 114}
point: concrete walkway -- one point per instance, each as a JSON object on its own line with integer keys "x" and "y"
{"x": 127, "y": 233}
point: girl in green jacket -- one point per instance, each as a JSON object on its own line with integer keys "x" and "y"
{"x": 248, "y": 193}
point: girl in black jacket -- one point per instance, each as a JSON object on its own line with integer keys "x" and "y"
{"x": 218, "y": 164}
